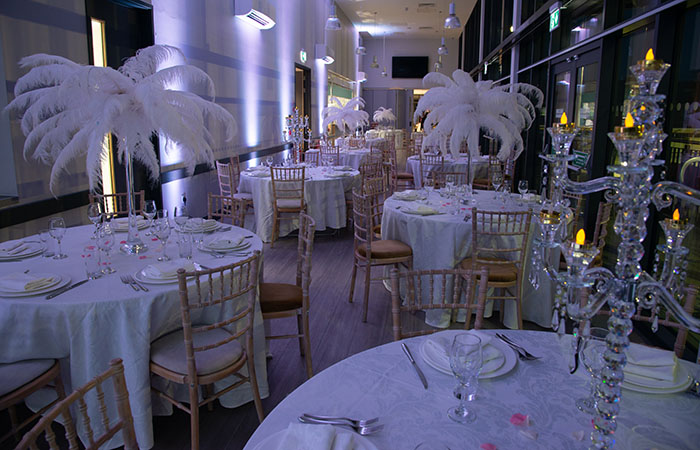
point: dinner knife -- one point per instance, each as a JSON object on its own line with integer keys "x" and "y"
{"x": 67, "y": 288}
{"x": 415, "y": 366}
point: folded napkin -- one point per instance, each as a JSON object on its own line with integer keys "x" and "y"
{"x": 166, "y": 270}
{"x": 422, "y": 211}
{"x": 207, "y": 224}
{"x": 649, "y": 362}
{"x": 438, "y": 346}
{"x": 299, "y": 436}
{"x": 259, "y": 173}
{"x": 406, "y": 195}
{"x": 343, "y": 168}
{"x": 338, "y": 174}
{"x": 531, "y": 197}
{"x": 224, "y": 243}
{"x": 10, "y": 249}
{"x": 19, "y": 281}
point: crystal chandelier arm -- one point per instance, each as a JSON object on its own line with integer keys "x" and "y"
{"x": 662, "y": 192}
{"x": 591, "y": 186}
{"x": 662, "y": 295}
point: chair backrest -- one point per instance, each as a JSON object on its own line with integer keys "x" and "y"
{"x": 372, "y": 169}
{"x": 499, "y": 237}
{"x": 222, "y": 207}
{"x": 90, "y": 420}
{"x": 288, "y": 184}
{"x": 307, "y": 228}
{"x": 233, "y": 288}
{"x": 225, "y": 177}
{"x": 118, "y": 203}
{"x": 601, "y": 224}
{"x": 436, "y": 289}
{"x": 390, "y": 170}
{"x": 365, "y": 217}
{"x": 313, "y": 158}
{"x": 330, "y": 156}
{"x": 429, "y": 164}
{"x": 440, "y": 178}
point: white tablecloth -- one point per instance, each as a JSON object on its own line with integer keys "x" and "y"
{"x": 351, "y": 158}
{"x": 325, "y": 200}
{"x": 442, "y": 241}
{"x": 479, "y": 167}
{"x": 380, "y": 382}
{"x": 103, "y": 319}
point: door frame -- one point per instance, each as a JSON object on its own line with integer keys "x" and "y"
{"x": 308, "y": 110}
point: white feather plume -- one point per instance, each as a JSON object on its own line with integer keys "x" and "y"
{"x": 461, "y": 108}
{"x": 347, "y": 118}
{"x": 384, "y": 115}
{"x": 67, "y": 108}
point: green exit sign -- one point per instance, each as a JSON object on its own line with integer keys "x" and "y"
{"x": 554, "y": 19}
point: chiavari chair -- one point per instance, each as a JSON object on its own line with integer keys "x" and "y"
{"x": 287, "y": 195}
{"x": 118, "y": 204}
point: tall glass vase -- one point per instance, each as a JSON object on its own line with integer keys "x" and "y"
{"x": 133, "y": 244}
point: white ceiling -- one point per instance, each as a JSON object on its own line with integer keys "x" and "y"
{"x": 404, "y": 18}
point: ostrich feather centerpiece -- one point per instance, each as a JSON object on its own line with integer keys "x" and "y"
{"x": 67, "y": 109}
{"x": 384, "y": 115}
{"x": 461, "y": 108}
{"x": 347, "y": 118}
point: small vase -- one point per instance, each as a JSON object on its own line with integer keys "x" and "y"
{"x": 133, "y": 244}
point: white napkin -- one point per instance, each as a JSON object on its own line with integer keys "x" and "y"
{"x": 299, "y": 436}
{"x": 19, "y": 281}
{"x": 206, "y": 225}
{"x": 12, "y": 248}
{"x": 649, "y": 362}
{"x": 422, "y": 211}
{"x": 338, "y": 174}
{"x": 166, "y": 270}
{"x": 224, "y": 243}
{"x": 343, "y": 168}
{"x": 406, "y": 195}
{"x": 438, "y": 346}
{"x": 531, "y": 197}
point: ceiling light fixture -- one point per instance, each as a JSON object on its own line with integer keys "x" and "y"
{"x": 324, "y": 53}
{"x": 333, "y": 23}
{"x": 384, "y": 57}
{"x": 360, "y": 50}
{"x": 452, "y": 21}
{"x": 438, "y": 63}
{"x": 442, "y": 50}
{"x": 375, "y": 64}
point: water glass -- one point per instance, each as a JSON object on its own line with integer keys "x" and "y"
{"x": 94, "y": 213}
{"x": 44, "y": 237}
{"x": 91, "y": 257}
{"x": 106, "y": 242}
{"x": 184, "y": 245}
{"x": 522, "y": 188}
{"x": 181, "y": 217}
{"x": 162, "y": 231}
{"x": 466, "y": 361}
{"x": 196, "y": 225}
{"x": 57, "y": 229}
{"x": 149, "y": 212}
{"x": 591, "y": 356}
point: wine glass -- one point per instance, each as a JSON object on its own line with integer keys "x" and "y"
{"x": 181, "y": 217}
{"x": 466, "y": 361}
{"x": 162, "y": 232}
{"x": 591, "y": 355}
{"x": 496, "y": 181}
{"x": 94, "y": 213}
{"x": 269, "y": 161}
{"x": 522, "y": 188}
{"x": 149, "y": 211}
{"x": 57, "y": 229}
{"x": 105, "y": 242}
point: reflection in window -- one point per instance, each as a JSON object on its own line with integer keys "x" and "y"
{"x": 580, "y": 20}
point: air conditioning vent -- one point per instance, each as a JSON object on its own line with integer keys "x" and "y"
{"x": 427, "y": 8}
{"x": 258, "y": 13}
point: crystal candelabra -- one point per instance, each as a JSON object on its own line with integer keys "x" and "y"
{"x": 582, "y": 290}
{"x": 297, "y": 132}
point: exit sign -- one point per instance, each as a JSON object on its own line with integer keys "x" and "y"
{"x": 554, "y": 19}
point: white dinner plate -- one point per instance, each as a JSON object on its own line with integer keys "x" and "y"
{"x": 681, "y": 382}
{"x": 501, "y": 367}
{"x": 144, "y": 279}
{"x": 272, "y": 442}
{"x": 31, "y": 249}
{"x": 122, "y": 224}
{"x": 63, "y": 281}
{"x": 237, "y": 248}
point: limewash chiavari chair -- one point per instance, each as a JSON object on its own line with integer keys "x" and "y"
{"x": 440, "y": 178}
{"x": 229, "y": 177}
{"x": 377, "y": 190}
{"x": 330, "y": 156}
{"x": 125, "y": 422}
{"x": 429, "y": 164}
{"x": 312, "y": 158}
{"x": 287, "y": 195}
{"x": 280, "y": 300}
{"x": 499, "y": 240}
{"x": 200, "y": 355}
{"x": 117, "y": 204}
{"x": 453, "y": 289}
{"x": 367, "y": 250}
{"x": 19, "y": 380}
{"x": 222, "y": 207}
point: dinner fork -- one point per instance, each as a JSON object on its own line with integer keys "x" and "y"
{"x": 353, "y": 422}
{"x": 363, "y": 431}
{"x": 524, "y": 354}
{"x": 132, "y": 280}
{"x": 126, "y": 281}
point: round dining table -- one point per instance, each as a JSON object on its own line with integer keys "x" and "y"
{"x": 104, "y": 318}
{"x": 325, "y": 191}
{"x": 353, "y": 157}
{"x": 479, "y": 167}
{"x": 380, "y": 382}
{"x": 443, "y": 239}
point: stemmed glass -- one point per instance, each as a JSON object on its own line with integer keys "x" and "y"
{"x": 181, "y": 218}
{"x": 94, "y": 213}
{"x": 522, "y": 188}
{"x": 162, "y": 232}
{"x": 105, "y": 242}
{"x": 591, "y": 355}
{"x": 466, "y": 361}
{"x": 496, "y": 181}
{"x": 149, "y": 211}
{"x": 269, "y": 161}
{"x": 57, "y": 229}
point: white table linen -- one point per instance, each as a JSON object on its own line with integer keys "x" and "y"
{"x": 442, "y": 241}
{"x": 324, "y": 195}
{"x": 103, "y": 319}
{"x": 479, "y": 167}
{"x": 350, "y": 158}
{"x": 380, "y": 382}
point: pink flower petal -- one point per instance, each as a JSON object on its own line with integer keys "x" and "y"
{"x": 578, "y": 435}
{"x": 154, "y": 239}
{"x": 518, "y": 419}
{"x": 488, "y": 446}
{"x": 122, "y": 242}
{"x": 143, "y": 257}
{"x": 532, "y": 434}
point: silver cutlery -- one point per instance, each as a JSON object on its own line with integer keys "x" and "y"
{"x": 415, "y": 366}
{"x": 522, "y": 353}
{"x": 132, "y": 280}
{"x": 126, "y": 281}
{"x": 353, "y": 422}
{"x": 363, "y": 431}
{"x": 694, "y": 388}
{"x": 64, "y": 289}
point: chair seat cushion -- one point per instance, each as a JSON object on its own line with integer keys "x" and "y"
{"x": 499, "y": 273}
{"x": 387, "y": 248}
{"x": 17, "y": 374}
{"x": 276, "y": 297}
{"x": 169, "y": 351}
{"x": 404, "y": 175}
{"x": 243, "y": 196}
{"x": 288, "y": 203}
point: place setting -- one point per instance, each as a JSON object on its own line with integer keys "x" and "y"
{"x": 229, "y": 244}
{"x": 164, "y": 272}
{"x": 121, "y": 224}
{"x": 324, "y": 433}
{"x": 20, "y": 250}
{"x": 27, "y": 284}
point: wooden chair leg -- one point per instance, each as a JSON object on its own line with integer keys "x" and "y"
{"x": 368, "y": 277}
{"x": 194, "y": 417}
{"x": 307, "y": 345}
{"x": 518, "y": 306}
{"x": 275, "y": 221}
{"x": 352, "y": 279}
{"x": 256, "y": 391}
{"x": 208, "y": 392}
{"x": 300, "y": 330}
{"x": 14, "y": 422}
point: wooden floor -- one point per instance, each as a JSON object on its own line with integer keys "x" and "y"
{"x": 336, "y": 333}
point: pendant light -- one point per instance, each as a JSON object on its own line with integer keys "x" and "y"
{"x": 442, "y": 50}
{"x": 375, "y": 64}
{"x": 438, "y": 63}
{"x": 333, "y": 23}
{"x": 384, "y": 57}
{"x": 452, "y": 21}
{"x": 360, "y": 50}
